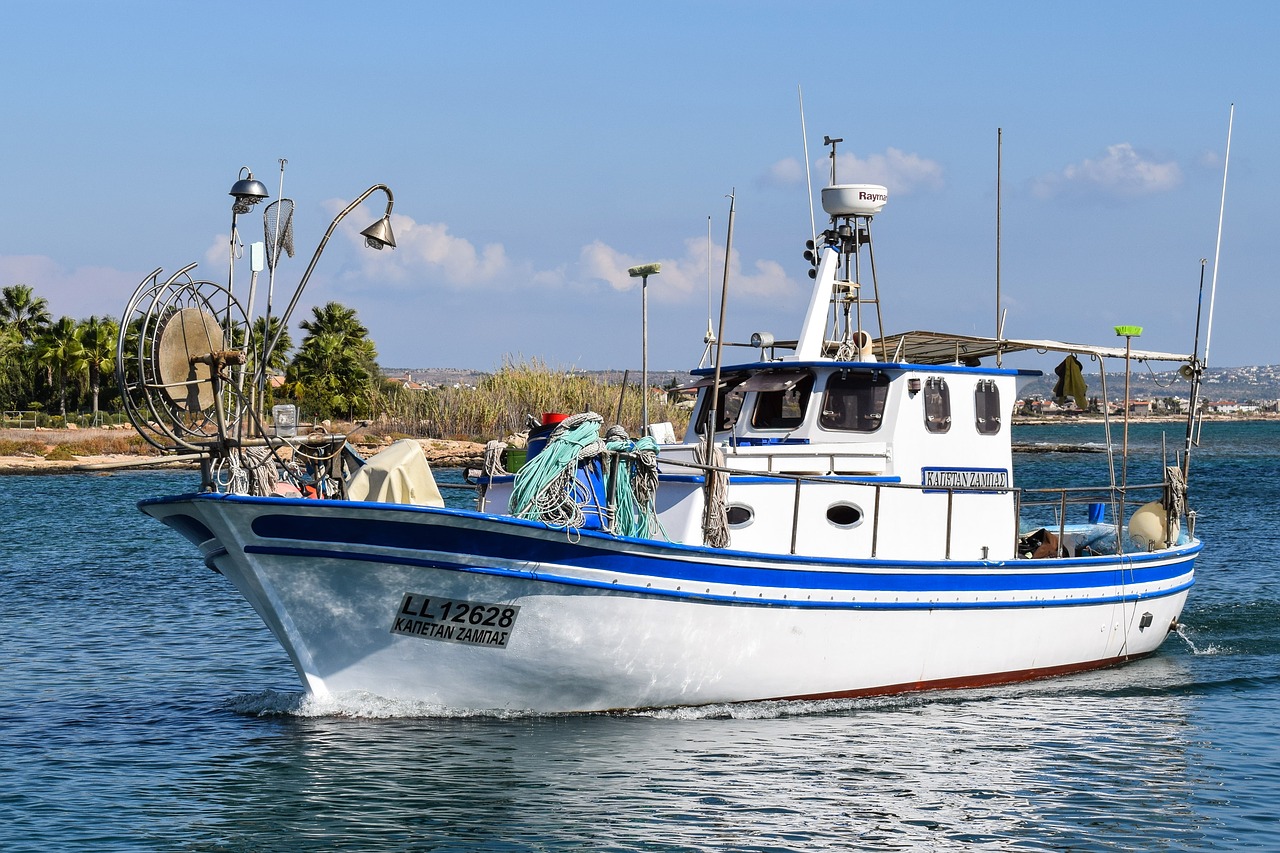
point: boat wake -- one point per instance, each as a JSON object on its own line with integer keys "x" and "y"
{"x": 277, "y": 703}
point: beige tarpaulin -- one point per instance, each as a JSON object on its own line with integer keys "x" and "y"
{"x": 398, "y": 475}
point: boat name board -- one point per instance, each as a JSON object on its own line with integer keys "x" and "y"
{"x": 451, "y": 620}
{"x": 940, "y": 479}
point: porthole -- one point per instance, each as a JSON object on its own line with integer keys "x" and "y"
{"x": 739, "y": 515}
{"x": 844, "y": 515}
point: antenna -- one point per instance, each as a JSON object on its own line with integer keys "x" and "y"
{"x": 1213, "y": 287}
{"x": 808, "y": 178}
{"x": 274, "y": 229}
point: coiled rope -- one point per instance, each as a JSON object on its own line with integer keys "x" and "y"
{"x": 636, "y": 488}
{"x": 492, "y": 465}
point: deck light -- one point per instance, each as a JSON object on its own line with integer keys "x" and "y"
{"x": 247, "y": 191}
{"x": 375, "y": 237}
{"x": 379, "y": 234}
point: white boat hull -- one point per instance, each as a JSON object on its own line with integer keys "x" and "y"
{"x": 606, "y": 623}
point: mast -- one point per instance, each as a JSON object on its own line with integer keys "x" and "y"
{"x": 999, "y": 169}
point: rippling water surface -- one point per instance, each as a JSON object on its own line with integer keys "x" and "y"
{"x": 144, "y": 706}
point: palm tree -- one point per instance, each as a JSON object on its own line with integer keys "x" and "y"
{"x": 59, "y": 349}
{"x": 23, "y": 311}
{"x": 23, "y": 317}
{"x": 335, "y": 367}
{"x": 97, "y": 337}
{"x": 279, "y": 359}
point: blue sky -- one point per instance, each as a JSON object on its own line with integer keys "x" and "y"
{"x": 538, "y": 150}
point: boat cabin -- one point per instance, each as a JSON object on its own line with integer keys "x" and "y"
{"x": 885, "y": 452}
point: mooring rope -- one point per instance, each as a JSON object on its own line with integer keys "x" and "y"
{"x": 715, "y": 514}
{"x": 1175, "y": 497}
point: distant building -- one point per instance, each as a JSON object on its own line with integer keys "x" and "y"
{"x": 409, "y": 385}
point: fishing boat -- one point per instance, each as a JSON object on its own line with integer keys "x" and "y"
{"x": 841, "y": 518}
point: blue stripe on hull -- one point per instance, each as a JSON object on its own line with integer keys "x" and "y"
{"x": 542, "y": 575}
{"x": 791, "y": 572}
{"x": 347, "y": 530}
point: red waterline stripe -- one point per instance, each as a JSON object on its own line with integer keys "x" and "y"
{"x": 966, "y": 681}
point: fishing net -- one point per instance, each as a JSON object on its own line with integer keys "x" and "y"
{"x": 278, "y": 227}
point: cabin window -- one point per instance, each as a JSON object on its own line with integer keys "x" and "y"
{"x": 937, "y": 405}
{"x": 728, "y": 405}
{"x": 986, "y": 407}
{"x": 739, "y": 515}
{"x": 844, "y": 515}
{"x": 781, "y": 399}
{"x": 854, "y": 401}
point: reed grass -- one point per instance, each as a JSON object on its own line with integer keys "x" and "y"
{"x": 503, "y": 401}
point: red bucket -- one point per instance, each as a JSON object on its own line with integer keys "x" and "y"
{"x": 551, "y": 418}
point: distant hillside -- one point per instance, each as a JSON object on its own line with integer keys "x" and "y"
{"x": 1239, "y": 384}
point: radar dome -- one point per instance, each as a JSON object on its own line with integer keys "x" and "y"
{"x": 854, "y": 199}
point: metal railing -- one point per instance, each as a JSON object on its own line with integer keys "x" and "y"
{"x": 1117, "y": 499}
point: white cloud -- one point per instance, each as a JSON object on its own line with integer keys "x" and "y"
{"x": 427, "y": 250}
{"x": 429, "y": 253}
{"x": 217, "y": 253}
{"x": 787, "y": 172}
{"x": 1122, "y": 172}
{"x": 901, "y": 172}
{"x": 684, "y": 278}
{"x": 78, "y": 292}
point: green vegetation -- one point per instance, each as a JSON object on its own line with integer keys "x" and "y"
{"x": 334, "y": 372}
{"x": 53, "y": 372}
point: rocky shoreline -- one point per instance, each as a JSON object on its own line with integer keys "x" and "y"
{"x": 43, "y": 443}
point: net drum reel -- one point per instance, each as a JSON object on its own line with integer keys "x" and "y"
{"x": 180, "y": 361}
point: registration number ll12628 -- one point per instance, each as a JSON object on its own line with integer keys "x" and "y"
{"x": 473, "y": 623}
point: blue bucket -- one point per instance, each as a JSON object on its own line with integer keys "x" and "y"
{"x": 589, "y": 492}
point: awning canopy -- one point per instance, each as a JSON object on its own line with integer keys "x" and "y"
{"x": 939, "y": 348}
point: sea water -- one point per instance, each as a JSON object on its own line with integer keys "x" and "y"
{"x": 143, "y": 706}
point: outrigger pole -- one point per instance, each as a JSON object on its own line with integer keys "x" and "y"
{"x": 999, "y": 169}
{"x": 1217, "y": 249}
{"x": 1193, "y": 373}
{"x": 713, "y": 393}
{"x": 1198, "y": 368}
